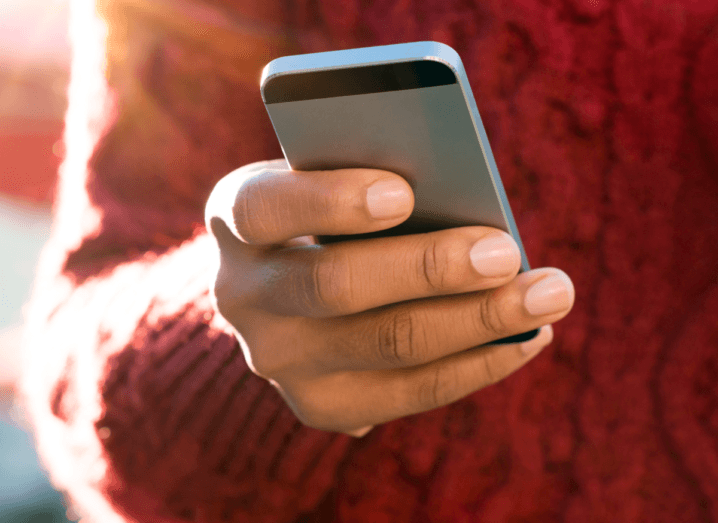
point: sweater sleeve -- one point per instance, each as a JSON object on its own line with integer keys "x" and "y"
{"x": 143, "y": 406}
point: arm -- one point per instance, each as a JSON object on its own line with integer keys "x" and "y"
{"x": 142, "y": 403}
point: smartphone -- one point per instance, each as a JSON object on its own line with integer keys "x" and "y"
{"x": 405, "y": 108}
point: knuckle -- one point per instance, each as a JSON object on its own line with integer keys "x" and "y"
{"x": 491, "y": 375}
{"x": 397, "y": 340}
{"x": 434, "y": 389}
{"x": 222, "y": 298}
{"x": 308, "y": 419}
{"x": 270, "y": 365}
{"x": 313, "y": 418}
{"x": 251, "y": 219}
{"x": 264, "y": 352}
{"x": 490, "y": 320}
{"x": 327, "y": 203}
{"x": 330, "y": 288}
{"x": 261, "y": 365}
{"x": 439, "y": 265}
{"x": 262, "y": 362}
{"x": 225, "y": 297}
{"x": 311, "y": 412}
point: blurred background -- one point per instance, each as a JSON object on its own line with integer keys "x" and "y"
{"x": 34, "y": 70}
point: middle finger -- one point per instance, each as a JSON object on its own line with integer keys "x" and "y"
{"x": 355, "y": 276}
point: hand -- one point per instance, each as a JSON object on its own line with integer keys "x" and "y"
{"x": 361, "y": 332}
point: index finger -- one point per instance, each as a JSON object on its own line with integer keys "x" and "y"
{"x": 268, "y": 205}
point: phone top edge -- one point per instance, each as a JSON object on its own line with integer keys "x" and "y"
{"x": 365, "y": 56}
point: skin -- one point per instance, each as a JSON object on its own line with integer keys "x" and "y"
{"x": 362, "y": 332}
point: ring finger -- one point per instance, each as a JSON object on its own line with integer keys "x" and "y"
{"x": 416, "y": 333}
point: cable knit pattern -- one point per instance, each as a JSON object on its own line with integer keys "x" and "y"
{"x": 603, "y": 118}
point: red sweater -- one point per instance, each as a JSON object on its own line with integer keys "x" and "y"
{"x": 604, "y": 123}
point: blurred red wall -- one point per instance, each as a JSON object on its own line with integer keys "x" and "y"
{"x": 34, "y": 64}
{"x": 30, "y": 156}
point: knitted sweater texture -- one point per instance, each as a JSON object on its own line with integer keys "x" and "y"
{"x": 603, "y": 118}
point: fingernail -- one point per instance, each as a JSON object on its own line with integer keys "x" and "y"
{"x": 542, "y": 339}
{"x": 388, "y": 199}
{"x": 360, "y": 433}
{"x": 549, "y": 295}
{"x": 496, "y": 255}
